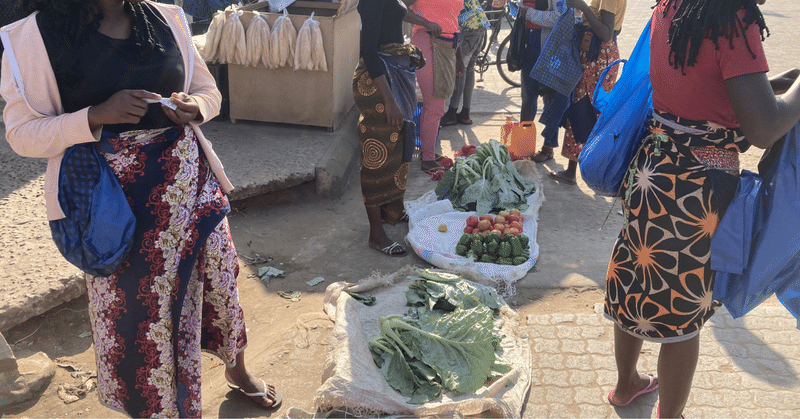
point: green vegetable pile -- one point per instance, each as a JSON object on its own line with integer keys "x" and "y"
{"x": 491, "y": 248}
{"x": 485, "y": 182}
{"x": 447, "y": 341}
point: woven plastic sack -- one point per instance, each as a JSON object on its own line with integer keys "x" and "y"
{"x": 97, "y": 231}
{"x": 624, "y": 114}
{"x": 353, "y": 383}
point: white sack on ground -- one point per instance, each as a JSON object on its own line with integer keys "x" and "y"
{"x": 427, "y": 213}
{"x": 352, "y": 382}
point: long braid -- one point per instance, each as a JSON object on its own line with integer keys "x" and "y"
{"x": 697, "y": 20}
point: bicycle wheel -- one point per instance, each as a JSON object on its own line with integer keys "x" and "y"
{"x": 513, "y": 78}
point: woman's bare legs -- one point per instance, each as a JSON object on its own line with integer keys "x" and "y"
{"x": 377, "y": 235}
{"x": 239, "y": 376}
{"x": 626, "y": 354}
{"x": 676, "y": 365}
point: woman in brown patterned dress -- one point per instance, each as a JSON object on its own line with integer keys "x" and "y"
{"x": 383, "y": 87}
{"x": 711, "y": 100}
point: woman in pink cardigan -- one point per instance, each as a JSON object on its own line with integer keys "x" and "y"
{"x": 82, "y": 71}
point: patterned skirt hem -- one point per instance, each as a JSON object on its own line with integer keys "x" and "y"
{"x": 671, "y": 339}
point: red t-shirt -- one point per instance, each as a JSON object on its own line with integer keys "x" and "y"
{"x": 700, "y": 94}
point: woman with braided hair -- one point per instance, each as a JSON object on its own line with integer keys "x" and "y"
{"x": 93, "y": 71}
{"x": 712, "y": 100}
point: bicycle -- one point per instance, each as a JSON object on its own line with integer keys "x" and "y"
{"x": 507, "y": 13}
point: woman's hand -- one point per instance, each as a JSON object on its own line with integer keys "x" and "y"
{"x": 187, "y": 108}
{"x": 124, "y": 107}
{"x": 394, "y": 118}
{"x": 577, "y": 4}
{"x": 433, "y": 28}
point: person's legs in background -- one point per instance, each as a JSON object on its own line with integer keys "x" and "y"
{"x": 530, "y": 86}
{"x": 471, "y": 42}
{"x": 550, "y": 141}
{"x": 432, "y": 107}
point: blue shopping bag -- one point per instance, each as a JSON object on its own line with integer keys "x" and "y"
{"x": 97, "y": 231}
{"x": 756, "y": 248}
{"x": 622, "y": 124}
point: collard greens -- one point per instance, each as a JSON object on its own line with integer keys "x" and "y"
{"x": 448, "y": 341}
{"x": 484, "y": 182}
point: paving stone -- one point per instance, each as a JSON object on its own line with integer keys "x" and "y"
{"x": 555, "y": 378}
{"x": 559, "y": 395}
{"x": 568, "y": 332}
{"x": 582, "y": 379}
{"x": 590, "y": 411}
{"x": 593, "y": 332}
{"x": 740, "y": 399}
{"x": 563, "y": 318}
{"x": 579, "y": 362}
{"x": 559, "y": 411}
{"x": 569, "y": 347}
{"x": 546, "y": 346}
{"x": 590, "y": 394}
{"x": 599, "y": 347}
{"x": 705, "y": 397}
{"x": 550, "y": 361}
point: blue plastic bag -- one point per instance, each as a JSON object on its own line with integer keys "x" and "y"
{"x": 622, "y": 125}
{"x": 756, "y": 248}
{"x": 97, "y": 231}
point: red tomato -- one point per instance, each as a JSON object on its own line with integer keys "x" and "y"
{"x": 517, "y": 225}
{"x": 472, "y": 221}
{"x": 513, "y": 231}
{"x": 467, "y": 230}
{"x": 512, "y": 218}
{"x": 485, "y": 225}
{"x": 499, "y": 219}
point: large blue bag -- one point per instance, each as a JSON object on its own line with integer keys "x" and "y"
{"x": 621, "y": 127}
{"x": 97, "y": 231}
{"x": 755, "y": 250}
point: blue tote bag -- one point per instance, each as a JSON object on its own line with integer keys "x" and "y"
{"x": 559, "y": 63}
{"x": 755, "y": 250}
{"x": 97, "y": 231}
{"x": 622, "y": 124}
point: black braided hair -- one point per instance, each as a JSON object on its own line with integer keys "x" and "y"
{"x": 696, "y": 20}
{"x": 77, "y": 19}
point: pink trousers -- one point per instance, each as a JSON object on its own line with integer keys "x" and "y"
{"x": 433, "y": 108}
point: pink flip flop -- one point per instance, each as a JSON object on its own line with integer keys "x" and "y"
{"x": 651, "y": 387}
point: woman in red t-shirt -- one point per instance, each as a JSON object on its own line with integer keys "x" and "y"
{"x": 711, "y": 100}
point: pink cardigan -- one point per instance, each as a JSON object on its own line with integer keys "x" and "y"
{"x": 36, "y": 125}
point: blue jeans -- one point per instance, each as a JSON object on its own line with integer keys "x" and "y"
{"x": 530, "y": 86}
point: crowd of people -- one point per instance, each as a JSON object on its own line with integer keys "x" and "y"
{"x": 176, "y": 294}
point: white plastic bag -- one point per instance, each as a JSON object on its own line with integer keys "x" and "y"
{"x": 213, "y": 37}
{"x": 302, "y": 52}
{"x": 318, "y": 59}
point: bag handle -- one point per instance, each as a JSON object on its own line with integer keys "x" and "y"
{"x": 598, "y": 89}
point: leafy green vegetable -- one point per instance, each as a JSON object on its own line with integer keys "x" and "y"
{"x": 455, "y": 351}
{"x": 485, "y": 181}
{"x": 447, "y": 341}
